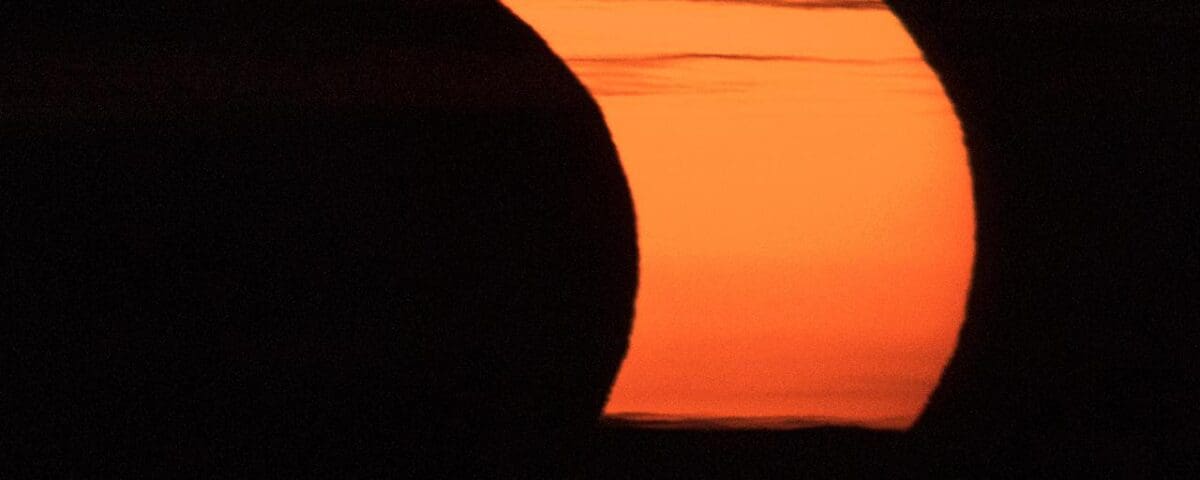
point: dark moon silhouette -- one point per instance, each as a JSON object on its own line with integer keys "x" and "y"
{"x": 1082, "y": 122}
{"x": 332, "y": 239}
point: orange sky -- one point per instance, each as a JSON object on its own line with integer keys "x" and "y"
{"x": 803, "y": 201}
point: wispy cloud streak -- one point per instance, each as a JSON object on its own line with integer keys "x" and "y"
{"x": 805, "y": 4}
{"x": 625, "y": 75}
{"x": 678, "y": 57}
{"x": 811, "y": 4}
{"x": 779, "y": 423}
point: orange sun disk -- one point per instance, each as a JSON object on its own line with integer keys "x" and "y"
{"x": 804, "y": 204}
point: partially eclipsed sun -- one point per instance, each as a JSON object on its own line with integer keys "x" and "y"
{"x": 803, "y": 199}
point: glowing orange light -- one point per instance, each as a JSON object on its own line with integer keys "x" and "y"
{"x": 803, "y": 199}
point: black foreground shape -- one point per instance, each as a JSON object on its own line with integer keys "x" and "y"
{"x": 392, "y": 237}
{"x": 1082, "y": 121}
{"x": 360, "y": 239}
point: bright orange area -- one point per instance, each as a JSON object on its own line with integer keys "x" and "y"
{"x": 803, "y": 200}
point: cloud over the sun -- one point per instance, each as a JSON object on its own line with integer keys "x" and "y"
{"x": 807, "y": 4}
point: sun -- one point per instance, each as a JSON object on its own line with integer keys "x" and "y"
{"x": 804, "y": 204}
